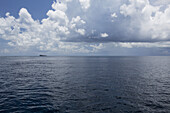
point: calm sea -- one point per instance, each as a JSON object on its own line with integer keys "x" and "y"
{"x": 85, "y": 84}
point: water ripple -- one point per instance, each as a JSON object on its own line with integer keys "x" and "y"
{"x": 84, "y": 84}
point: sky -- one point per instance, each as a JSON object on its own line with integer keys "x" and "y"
{"x": 85, "y": 27}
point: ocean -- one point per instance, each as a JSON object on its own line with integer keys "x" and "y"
{"x": 85, "y": 84}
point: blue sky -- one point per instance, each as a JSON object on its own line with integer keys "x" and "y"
{"x": 37, "y": 8}
{"x": 85, "y": 27}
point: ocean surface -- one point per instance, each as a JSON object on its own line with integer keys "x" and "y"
{"x": 85, "y": 84}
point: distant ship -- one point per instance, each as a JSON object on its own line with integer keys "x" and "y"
{"x": 42, "y": 55}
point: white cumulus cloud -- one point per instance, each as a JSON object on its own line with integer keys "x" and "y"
{"x": 85, "y": 4}
{"x": 104, "y": 35}
{"x": 148, "y": 19}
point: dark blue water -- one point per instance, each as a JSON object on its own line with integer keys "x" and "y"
{"x": 85, "y": 84}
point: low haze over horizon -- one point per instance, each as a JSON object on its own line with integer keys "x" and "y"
{"x": 85, "y": 27}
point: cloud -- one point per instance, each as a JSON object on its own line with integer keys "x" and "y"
{"x": 25, "y": 17}
{"x": 114, "y": 15}
{"x": 104, "y": 35}
{"x": 147, "y": 20}
{"x": 26, "y": 33}
{"x": 145, "y": 44}
{"x": 90, "y": 27}
{"x": 81, "y": 31}
{"x": 4, "y": 51}
{"x": 160, "y": 2}
{"x": 59, "y": 6}
{"x": 85, "y": 4}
